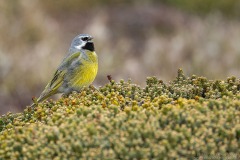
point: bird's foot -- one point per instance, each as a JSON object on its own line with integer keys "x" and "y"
{"x": 65, "y": 95}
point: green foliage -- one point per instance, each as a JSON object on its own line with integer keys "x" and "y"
{"x": 187, "y": 118}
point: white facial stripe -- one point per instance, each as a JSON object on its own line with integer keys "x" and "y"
{"x": 79, "y": 46}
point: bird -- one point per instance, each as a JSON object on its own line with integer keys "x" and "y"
{"x": 78, "y": 69}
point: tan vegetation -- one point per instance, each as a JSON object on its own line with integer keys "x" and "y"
{"x": 134, "y": 40}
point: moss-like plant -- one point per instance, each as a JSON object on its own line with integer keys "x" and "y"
{"x": 190, "y": 117}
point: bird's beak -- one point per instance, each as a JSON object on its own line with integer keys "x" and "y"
{"x": 90, "y": 39}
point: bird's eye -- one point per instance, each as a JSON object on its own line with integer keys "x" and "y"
{"x": 85, "y": 38}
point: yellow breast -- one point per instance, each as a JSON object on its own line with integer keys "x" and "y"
{"x": 85, "y": 74}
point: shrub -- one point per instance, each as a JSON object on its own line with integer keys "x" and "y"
{"x": 188, "y": 118}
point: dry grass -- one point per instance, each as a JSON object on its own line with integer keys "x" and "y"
{"x": 132, "y": 41}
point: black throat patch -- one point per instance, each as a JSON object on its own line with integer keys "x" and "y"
{"x": 89, "y": 46}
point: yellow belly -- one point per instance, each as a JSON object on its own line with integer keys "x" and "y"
{"x": 84, "y": 75}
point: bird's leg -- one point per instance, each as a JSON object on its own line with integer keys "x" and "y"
{"x": 65, "y": 95}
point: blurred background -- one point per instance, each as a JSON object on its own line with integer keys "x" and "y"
{"x": 133, "y": 39}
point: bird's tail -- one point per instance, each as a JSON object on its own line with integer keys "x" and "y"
{"x": 44, "y": 95}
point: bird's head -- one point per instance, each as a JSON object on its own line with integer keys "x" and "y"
{"x": 83, "y": 41}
